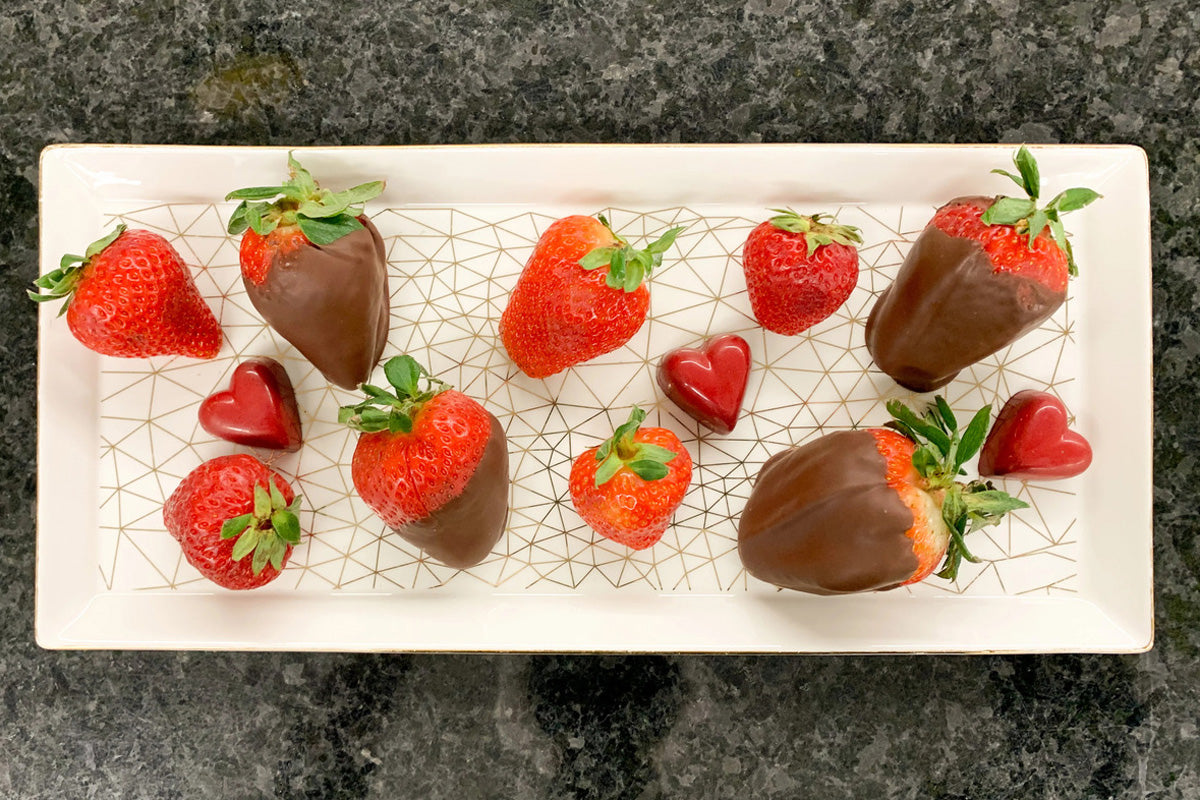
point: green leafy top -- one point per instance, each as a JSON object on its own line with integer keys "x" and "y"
{"x": 939, "y": 457}
{"x": 816, "y": 233}
{"x": 627, "y": 266}
{"x": 393, "y": 411}
{"x": 648, "y": 461}
{"x": 267, "y": 530}
{"x": 323, "y": 216}
{"x": 1024, "y": 214}
{"x": 63, "y": 281}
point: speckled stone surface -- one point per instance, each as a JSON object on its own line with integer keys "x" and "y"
{"x": 185, "y": 725}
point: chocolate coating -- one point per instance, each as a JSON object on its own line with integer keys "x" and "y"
{"x": 947, "y": 309}
{"x": 463, "y": 532}
{"x": 822, "y": 519}
{"x": 331, "y": 302}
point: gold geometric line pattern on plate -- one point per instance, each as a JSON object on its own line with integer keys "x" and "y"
{"x": 451, "y": 271}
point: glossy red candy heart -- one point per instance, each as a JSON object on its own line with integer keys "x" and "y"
{"x": 1030, "y": 440}
{"x": 708, "y": 383}
{"x": 258, "y": 409}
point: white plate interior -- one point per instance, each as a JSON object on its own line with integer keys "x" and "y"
{"x": 460, "y": 223}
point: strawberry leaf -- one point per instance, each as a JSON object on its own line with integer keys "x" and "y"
{"x": 1027, "y": 165}
{"x": 259, "y": 221}
{"x": 628, "y": 266}
{"x": 655, "y": 452}
{"x": 1008, "y": 211}
{"x": 260, "y": 558}
{"x": 988, "y": 503}
{"x": 235, "y": 525}
{"x": 973, "y": 436}
{"x": 404, "y": 373}
{"x": 262, "y": 502}
{"x": 383, "y": 411}
{"x": 600, "y": 257}
{"x": 634, "y": 273}
{"x": 330, "y": 205}
{"x": 328, "y": 231}
{"x": 255, "y": 193}
{"x": 247, "y": 542}
{"x": 278, "y": 550}
{"x": 237, "y": 220}
{"x": 286, "y": 525}
{"x": 663, "y": 243}
{"x": 277, "y": 500}
{"x": 302, "y": 179}
{"x": 611, "y": 466}
{"x": 1074, "y": 199}
{"x": 649, "y": 470}
{"x": 96, "y": 247}
{"x": 363, "y": 192}
{"x": 617, "y": 272}
{"x": 1017, "y": 179}
{"x": 924, "y": 462}
{"x": 1024, "y": 214}
{"x": 647, "y": 461}
{"x": 1038, "y": 221}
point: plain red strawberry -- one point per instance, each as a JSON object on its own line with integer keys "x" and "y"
{"x": 315, "y": 268}
{"x": 628, "y": 487}
{"x": 581, "y": 295}
{"x": 131, "y": 295}
{"x": 423, "y": 449}
{"x": 871, "y": 509}
{"x": 229, "y": 508}
{"x": 799, "y": 270}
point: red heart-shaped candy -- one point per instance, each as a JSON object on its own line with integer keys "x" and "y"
{"x": 258, "y": 409}
{"x": 1030, "y": 440}
{"x": 708, "y": 383}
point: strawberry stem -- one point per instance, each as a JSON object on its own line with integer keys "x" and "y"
{"x": 940, "y": 453}
{"x": 1024, "y": 215}
{"x": 323, "y": 216}
{"x": 62, "y": 282}
{"x": 627, "y": 265}
{"x": 816, "y": 233}
{"x": 393, "y": 411}
{"x": 265, "y": 533}
{"x": 647, "y": 461}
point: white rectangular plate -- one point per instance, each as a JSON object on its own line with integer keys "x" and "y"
{"x": 115, "y": 436}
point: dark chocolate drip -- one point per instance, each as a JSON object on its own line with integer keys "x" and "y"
{"x": 331, "y": 302}
{"x": 948, "y": 309}
{"x": 822, "y": 519}
{"x": 463, "y": 532}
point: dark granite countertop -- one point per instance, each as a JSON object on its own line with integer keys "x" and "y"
{"x": 185, "y": 725}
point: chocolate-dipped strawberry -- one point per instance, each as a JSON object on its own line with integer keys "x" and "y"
{"x": 432, "y": 463}
{"x": 871, "y": 509}
{"x": 315, "y": 268}
{"x": 983, "y": 273}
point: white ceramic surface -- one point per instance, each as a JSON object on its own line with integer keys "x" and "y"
{"x": 1073, "y": 573}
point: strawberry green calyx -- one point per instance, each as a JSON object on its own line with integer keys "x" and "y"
{"x": 939, "y": 457}
{"x": 628, "y": 266}
{"x": 816, "y": 233}
{"x": 267, "y": 531}
{"x": 1025, "y": 216}
{"x": 62, "y": 282}
{"x": 323, "y": 216}
{"x": 647, "y": 461}
{"x": 393, "y": 411}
